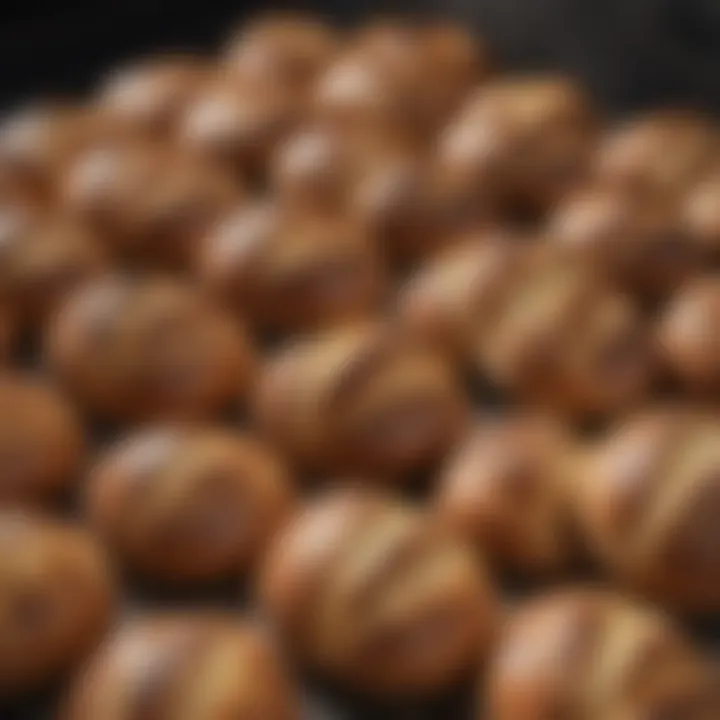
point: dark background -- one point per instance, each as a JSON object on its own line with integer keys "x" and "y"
{"x": 632, "y": 53}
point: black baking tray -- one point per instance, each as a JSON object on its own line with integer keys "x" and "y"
{"x": 631, "y": 54}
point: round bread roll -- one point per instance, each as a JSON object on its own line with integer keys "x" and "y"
{"x": 649, "y": 504}
{"x": 562, "y": 339}
{"x": 380, "y": 179}
{"x": 361, "y": 399}
{"x": 587, "y": 654}
{"x": 377, "y": 596}
{"x": 642, "y": 245}
{"x": 284, "y": 271}
{"x": 175, "y": 666}
{"x": 287, "y": 51}
{"x": 186, "y": 506}
{"x": 38, "y": 141}
{"x": 449, "y": 301}
{"x": 504, "y": 489}
{"x": 41, "y": 442}
{"x": 151, "y": 203}
{"x": 537, "y": 322}
{"x": 518, "y": 146}
{"x": 404, "y": 209}
{"x": 42, "y": 259}
{"x": 434, "y": 63}
{"x": 317, "y": 168}
{"x": 314, "y": 167}
{"x": 150, "y": 95}
{"x": 689, "y": 335}
{"x": 144, "y": 349}
{"x": 659, "y": 154}
{"x": 237, "y": 124}
{"x": 701, "y": 214}
{"x": 357, "y": 99}
{"x": 57, "y": 600}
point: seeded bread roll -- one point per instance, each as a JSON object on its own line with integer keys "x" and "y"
{"x": 287, "y": 51}
{"x": 41, "y": 442}
{"x": 586, "y": 654}
{"x": 151, "y": 203}
{"x": 150, "y": 95}
{"x": 148, "y": 349}
{"x": 185, "y": 506}
{"x": 505, "y": 490}
{"x": 518, "y": 146}
{"x": 361, "y": 399}
{"x": 174, "y": 666}
{"x": 293, "y": 272}
{"x": 689, "y": 335}
{"x": 377, "y": 596}
{"x": 649, "y": 504}
{"x": 57, "y": 600}
{"x": 642, "y": 246}
{"x": 658, "y": 155}
{"x": 42, "y": 260}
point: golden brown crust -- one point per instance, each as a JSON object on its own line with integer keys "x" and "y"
{"x": 505, "y": 489}
{"x": 42, "y": 259}
{"x": 150, "y": 95}
{"x": 378, "y": 179}
{"x": 378, "y": 596}
{"x": 657, "y": 155}
{"x": 313, "y": 168}
{"x": 37, "y": 143}
{"x": 449, "y": 301}
{"x": 149, "y": 349}
{"x": 237, "y": 125}
{"x": 591, "y": 654}
{"x": 432, "y": 64}
{"x": 649, "y": 505}
{"x": 641, "y": 245}
{"x": 361, "y": 400}
{"x": 184, "y": 667}
{"x": 150, "y": 203}
{"x": 186, "y": 506}
{"x": 57, "y": 600}
{"x": 292, "y": 272}
{"x": 701, "y": 213}
{"x": 689, "y": 335}
{"x": 536, "y": 321}
{"x": 356, "y": 99}
{"x": 517, "y": 146}
{"x": 41, "y": 442}
{"x": 285, "y": 50}
{"x": 562, "y": 339}
{"x": 401, "y": 79}
{"x": 396, "y": 198}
